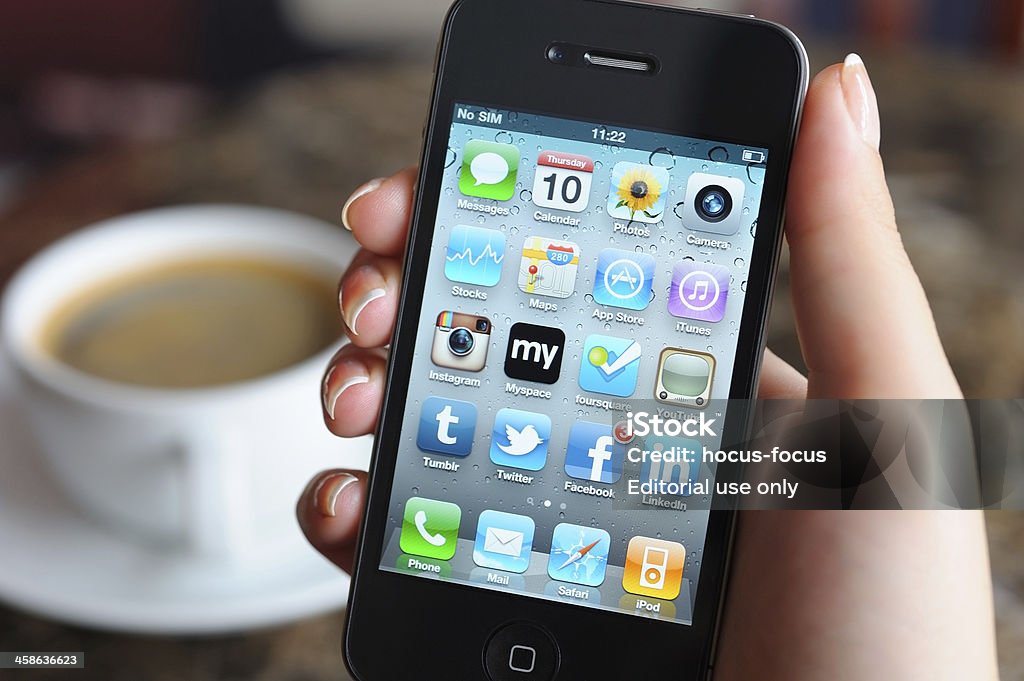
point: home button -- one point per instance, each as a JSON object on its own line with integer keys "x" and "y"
{"x": 520, "y": 652}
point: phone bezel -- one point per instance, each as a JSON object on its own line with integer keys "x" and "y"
{"x": 396, "y": 620}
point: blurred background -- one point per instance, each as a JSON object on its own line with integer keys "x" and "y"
{"x": 114, "y": 106}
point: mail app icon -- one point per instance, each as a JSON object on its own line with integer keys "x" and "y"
{"x": 503, "y": 541}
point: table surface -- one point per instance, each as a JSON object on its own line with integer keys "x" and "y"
{"x": 953, "y": 134}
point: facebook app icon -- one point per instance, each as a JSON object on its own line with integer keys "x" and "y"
{"x": 593, "y": 453}
{"x": 446, "y": 426}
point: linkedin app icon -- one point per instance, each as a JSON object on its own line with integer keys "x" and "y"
{"x": 684, "y": 377}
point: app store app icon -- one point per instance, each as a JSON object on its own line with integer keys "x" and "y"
{"x": 624, "y": 279}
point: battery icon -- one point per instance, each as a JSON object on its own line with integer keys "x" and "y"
{"x": 750, "y": 156}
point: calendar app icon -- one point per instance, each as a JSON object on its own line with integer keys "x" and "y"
{"x": 562, "y": 181}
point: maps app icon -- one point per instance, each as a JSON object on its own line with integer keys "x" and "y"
{"x": 548, "y": 267}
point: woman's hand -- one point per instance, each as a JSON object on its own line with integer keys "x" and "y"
{"x": 814, "y": 595}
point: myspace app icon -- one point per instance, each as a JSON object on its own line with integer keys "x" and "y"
{"x": 474, "y": 255}
{"x": 520, "y": 439}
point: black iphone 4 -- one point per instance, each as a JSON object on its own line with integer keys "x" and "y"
{"x": 592, "y": 250}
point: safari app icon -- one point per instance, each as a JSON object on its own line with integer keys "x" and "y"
{"x": 489, "y": 170}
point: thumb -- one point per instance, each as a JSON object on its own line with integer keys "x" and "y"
{"x": 865, "y": 327}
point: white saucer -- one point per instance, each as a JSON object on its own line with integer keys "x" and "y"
{"x": 57, "y": 563}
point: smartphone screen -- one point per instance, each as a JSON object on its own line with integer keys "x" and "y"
{"x": 578, "y": 272}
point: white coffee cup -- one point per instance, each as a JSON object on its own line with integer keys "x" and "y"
{"x": 214, "y": 472}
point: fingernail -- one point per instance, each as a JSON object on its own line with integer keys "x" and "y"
{"x": 328, "y": 491}
{"x": 351, "y": 310}
{"x": 860, "y": 99}
{"x": 361, "y": 190}
{"x": 334, "y": 386}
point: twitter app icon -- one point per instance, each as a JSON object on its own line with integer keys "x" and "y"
{"x": 520, "y": 439}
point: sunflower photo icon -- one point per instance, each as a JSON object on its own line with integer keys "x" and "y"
{"x": 637, "y": 192}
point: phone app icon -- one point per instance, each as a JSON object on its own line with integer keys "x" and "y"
{"x": 610, "y": 365}
{"x": 520, "y": 439}
{"x": 654, "y": 567}
{"x": 503, "y": 541}
{"x": 679, "y": 473}
{"x": 684, "y": 377}
{"x": 713, "y": 204}
{"x": 578, "y": 554}
{"x": 534, "y": 353}
{"x": 593, "y": 453}
{"x": 430, "y": 528}
{"x": 446, "y": 426}
{"x": 562, "y": 181}
{"x": 460, "y": 341}
{"x": 699, "y": 291}
{"x": 474, "y": 255}
{"x": 624, "y": 279}
{"x": 548, "y": 267}
{"x": 637, "y": 192}
{"x": 489, "y": 170}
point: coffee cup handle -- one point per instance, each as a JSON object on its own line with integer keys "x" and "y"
{"x": 216, "y": 500}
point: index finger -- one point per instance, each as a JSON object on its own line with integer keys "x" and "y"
{"x": 378, "y": 212}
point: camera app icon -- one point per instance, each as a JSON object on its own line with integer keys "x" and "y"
{"x": 713, "y": 204}
{"x": 461, "y": 341}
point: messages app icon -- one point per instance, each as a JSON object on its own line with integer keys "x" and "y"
{"x": 503, "y": 541}
{"x": 489, "y": 170}
{"x": 610, "y": 365}
{"x": 520, "y": 439}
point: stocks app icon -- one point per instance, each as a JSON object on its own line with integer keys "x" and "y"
{"x": 474, "y": 255}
